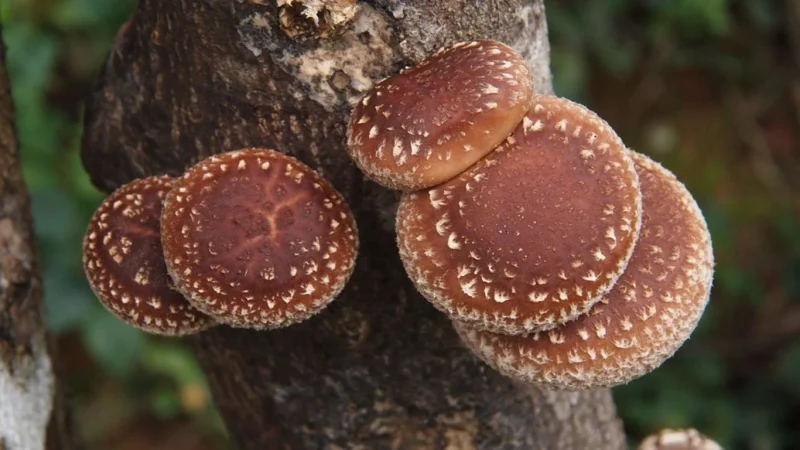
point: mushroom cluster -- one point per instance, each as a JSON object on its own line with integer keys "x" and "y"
{"x": 251, "y": 238}
{"x": 563, "y": 258}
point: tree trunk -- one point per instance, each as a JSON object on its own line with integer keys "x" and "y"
{"x": 379, "y": 368}
{"x": 31, "y": 417}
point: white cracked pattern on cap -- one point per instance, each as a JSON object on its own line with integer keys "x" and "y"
{"x": 257, "y": 239}
{"x": 535, "y": 233}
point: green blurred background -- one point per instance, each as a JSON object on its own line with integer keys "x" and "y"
{"x": 709, "y": 87}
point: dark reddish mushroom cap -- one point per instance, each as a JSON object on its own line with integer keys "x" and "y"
{"x": 257, "y": 239}
{"x": 647, "y": 316}
{"x": 124, "y": 263}
{"x": 431, "y": 122}
{"x": 535, "y": 233}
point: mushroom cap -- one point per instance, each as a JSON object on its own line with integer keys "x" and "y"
{"x": 431, "y": 122}
{"x": 257, "y": 239}
{"x": 124, "y": 263}
{"x": 647, "y": 316}
{"x": 687, "y": 439}
{"x": 535, "y": 233}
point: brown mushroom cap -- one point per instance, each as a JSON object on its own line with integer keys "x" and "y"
{"x": 535, "y": 233}
{"x": 648, "y": 315}
{"x": 124, "y": 263}
{"x": 688, "y": 439}
{"x": 431, "y": 122}
{"x": 257, "y": 239}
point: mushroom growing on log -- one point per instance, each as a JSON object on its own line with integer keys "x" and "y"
{"x": 687, "y": 439}
{"x": 432, "y": 121}
{"x": 379, "y": 367}
{"x": 124, "y": 262}
{"x": 257, "y": 239}
{"x": 529, "y": 250}
{"x": 535, "y": 233}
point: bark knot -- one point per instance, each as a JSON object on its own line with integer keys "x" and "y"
{"x": 304, "y": 19}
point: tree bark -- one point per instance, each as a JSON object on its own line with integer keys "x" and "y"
{"x": 31, "y": 416}
{"x": 379, "y": 368}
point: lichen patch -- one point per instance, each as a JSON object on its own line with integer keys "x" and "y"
{"x": 359, "y": 55}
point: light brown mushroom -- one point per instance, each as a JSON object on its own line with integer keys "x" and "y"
{"x": 257, "y": 239}
{"x": 687, "y": 439}
{"x": 535, "y": 233}
{"x": 124, "y": 263}
{"x": 647, "y": 316}
{"x": 431, "y": 122}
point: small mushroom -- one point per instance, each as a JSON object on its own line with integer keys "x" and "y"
{"x": 124, "y": 263}
{"x": 431, "y": 122}
{"x": 687, "y": 439}
{"x": 535, "y": 233}
{"x": 257, "y": 239}
{"x": 647, "y": 316}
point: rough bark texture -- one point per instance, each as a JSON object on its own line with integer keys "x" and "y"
{"x": 380, "y": 368}
{"x": 28, "y": 419}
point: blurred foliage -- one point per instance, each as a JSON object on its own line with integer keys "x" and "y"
{"x": 710, "y": 88}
